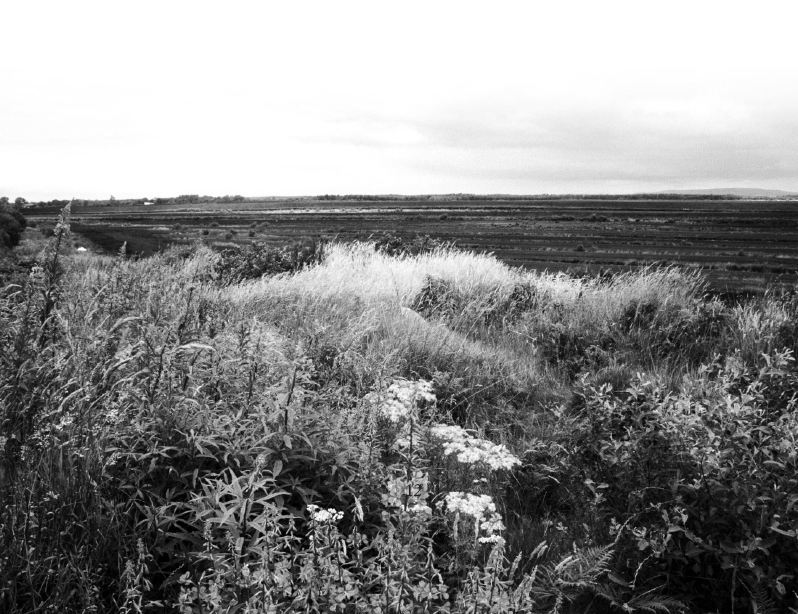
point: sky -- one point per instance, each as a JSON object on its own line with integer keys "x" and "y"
{"x": 147, "y": 99}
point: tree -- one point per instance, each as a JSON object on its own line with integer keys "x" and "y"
{"x": 12, "y": 223}
{"x": 19, "y": 201}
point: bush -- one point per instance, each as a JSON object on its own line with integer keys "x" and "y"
{"x": 394, "y": 245}
{"x": 704, "y": 481}
{"x": 12, "y": 223}
{"x": 259, "y": 259}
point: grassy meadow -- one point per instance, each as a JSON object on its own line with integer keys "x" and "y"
{"x": 343, "y": 427}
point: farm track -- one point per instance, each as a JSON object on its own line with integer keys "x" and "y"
{"x": 741, "y": 245}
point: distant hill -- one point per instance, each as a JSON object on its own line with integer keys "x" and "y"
{"x": 744, "y": 192}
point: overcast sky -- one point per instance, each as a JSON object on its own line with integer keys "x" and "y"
{"x": 146, "y": 99}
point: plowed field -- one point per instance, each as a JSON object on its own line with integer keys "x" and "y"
{"x": 741, "y": 245}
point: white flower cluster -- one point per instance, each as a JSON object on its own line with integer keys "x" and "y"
{"x": 323, "y": 516}
{"x": 412, "y": 392}
{"x": 403, "y": 397}
{"x": 482, "y": 509}
{"x": 471, "y": 450}
{"x": 469, "y": 504}
{"x": 419, "y": 508}
{"x": 394, "y": 410}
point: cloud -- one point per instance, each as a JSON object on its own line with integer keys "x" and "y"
{"x": 264, "y": 98}
{"x": 650, "y": 141}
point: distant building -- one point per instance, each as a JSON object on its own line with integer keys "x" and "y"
{"x": 148, "y": 203}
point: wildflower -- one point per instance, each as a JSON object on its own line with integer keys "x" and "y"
{"x": 112, "y": 459}
{"x": 421, "y": 509}
{"x": 394, "y": 410}
{"x": 492, "y": 539}
{"x": 483, "y": 511}
{"x": 493, "y": 524}
{"x": 402, "y": 398}
{"x": 471, "y": 450}
{"x": 410, "y": 393}
{"x": 468, "y": 504}
{"x": 322, "y": 516}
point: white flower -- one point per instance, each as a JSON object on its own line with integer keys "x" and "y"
{"x": 322, "y": 516}
{"x": 112, "y": 459}
{"x": 403, "y": 398}
{"x": 471, "y": 450}
{"x": 394, "y": 410}
{"x": 493, "y": 524}
{"x": 492, "y": 539}
{"x": 483, "y": 511}
{"x": 468, "y": 504}
{"x": 421, "y": 509}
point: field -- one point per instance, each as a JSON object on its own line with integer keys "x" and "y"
{"x": 388, "y": 431}
{"x": 740, "y": 245}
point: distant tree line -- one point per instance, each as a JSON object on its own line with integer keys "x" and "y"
{"x": 183, "y": 199}
{"x": 370, "y": 197}
{"x": 515, "y": 197}
{"x": 190, "y": 199}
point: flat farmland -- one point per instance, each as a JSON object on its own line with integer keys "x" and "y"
{"x": 741, "y": 245}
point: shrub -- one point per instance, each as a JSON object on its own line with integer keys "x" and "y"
{"x": 702, "y": 481}
{"x": 393, "y": 245}
{"x": 12, "y": 223}
{"x": 257, "y": 260}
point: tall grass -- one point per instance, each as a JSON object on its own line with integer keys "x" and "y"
{"x": 172, "y": 440}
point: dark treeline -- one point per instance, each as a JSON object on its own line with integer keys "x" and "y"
{"x": 183, "y": 199}
{"x": 515, "y": 197}
{"x": 188, "y": 199}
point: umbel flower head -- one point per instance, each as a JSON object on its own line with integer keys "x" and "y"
{"x": 482, "y": 510}
{"x": 471, "y": 450}
{"x": 402, "y": 399}
{"x": 322, "y": 516}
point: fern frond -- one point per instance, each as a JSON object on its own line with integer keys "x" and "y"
{"x": 654, "y": 604}
{"x": 763, "y": 601}
{"x": 595, "y": 561}
{"x": 611, "y": 593}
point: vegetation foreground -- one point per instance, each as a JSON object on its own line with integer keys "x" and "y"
{"x": 391, "y": 428}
